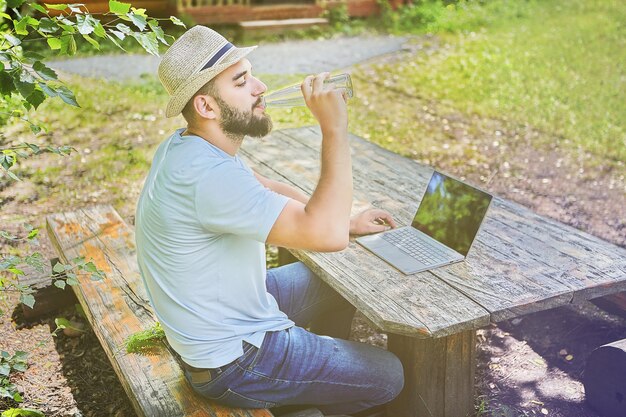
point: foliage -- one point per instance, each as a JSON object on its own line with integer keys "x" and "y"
{"x": 22, "y": 412}
{"x": 437, "y": 16}
{"x": 145, "y": 341}
{"x": 26, "y": 82}
{"x": 8, "y": 364}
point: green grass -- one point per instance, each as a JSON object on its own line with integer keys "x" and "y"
{"x": 552, "y": 64}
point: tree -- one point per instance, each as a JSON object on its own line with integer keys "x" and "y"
{"x": 25, "y": 83}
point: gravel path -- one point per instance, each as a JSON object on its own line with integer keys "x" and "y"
{"x": 289, "y": 57}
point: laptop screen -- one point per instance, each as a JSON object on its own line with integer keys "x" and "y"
{"x": 451, "y": 212}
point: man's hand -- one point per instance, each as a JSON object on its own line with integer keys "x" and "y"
{"x": 327, "y": 105}
{"x": 371, "y": 221}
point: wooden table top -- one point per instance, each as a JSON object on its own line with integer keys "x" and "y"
{"x": 520, "y": 262}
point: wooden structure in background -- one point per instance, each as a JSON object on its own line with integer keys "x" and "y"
{"x": 235, "y": 11}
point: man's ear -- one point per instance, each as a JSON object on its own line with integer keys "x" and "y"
{"x": 205, "y": 106}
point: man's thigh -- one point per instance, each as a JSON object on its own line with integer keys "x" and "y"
{"x": 295, "y": 366}
{"x": 301, "y": 294}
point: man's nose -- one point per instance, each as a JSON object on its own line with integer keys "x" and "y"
{"x": 260, "y": 87}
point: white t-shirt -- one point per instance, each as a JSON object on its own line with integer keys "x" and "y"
{"x": 201, "y": 223}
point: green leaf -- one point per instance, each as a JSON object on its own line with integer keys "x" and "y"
{"x": 59, "y": 283}
{"x": 7, "y": 235}
{"x": 118, "y": 7}
{"x": 138, "y": 20}
{"x": 177, "y": 21}
{"x": 62, "y": 323}
{"x": 20, "y": 367}
{"x": 112, "y": 39}
{"x": 36, "y": 260}
{"x": 148, "y": 41}
{"x": 5, "y": 369}
{"x": 90, "y": 267}
{"x": 117, "y": 33}
{"x": 92, "y": 41}
{"x": 124, "y": 29}
{"x": 54, "y": 43}
{"x": 22, "y": 412}
{"x": 50, "y": 91}
{"x": 67, "y": 96}
{"x": 58, "y": 267}
{"x": 35, "y": 128}
{"x": 27, "y": 300}
{"x": 44, "y": 72}
{"x": 157, "y": 31}
{"x": 47, "y": 25}
{"x": 86, "y": 24}
{"x": 12, "y": 39}
{"x": 25, "y": 88}
{"x": 20, "y": 355}
{"x": 33, "y": 56}
{"x": 56, "y": 6}
{"x": 36, "y": 98}
{"x": 6, "y": 84}
{"x": 71, "y": 280}
{"x": 14, "y": 4}
{"x": 99, "y": 31}
{"x": 68, "y": 45}
{"x": 38, "y": 7}
{"x": 20, "y": 26}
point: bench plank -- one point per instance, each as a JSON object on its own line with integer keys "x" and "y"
{"x": 118, "y": 307}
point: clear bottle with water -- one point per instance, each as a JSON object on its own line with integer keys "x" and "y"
{"x": 292, "y": 96}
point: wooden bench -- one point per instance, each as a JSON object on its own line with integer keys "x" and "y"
{"x": 118, "y": 307}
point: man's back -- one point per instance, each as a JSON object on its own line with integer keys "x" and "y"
{"x": 201, "y": 253}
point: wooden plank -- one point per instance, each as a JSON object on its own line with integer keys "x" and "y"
{"x": 439, "y": 375}
{"x": 418, "y": 305}
{"x": 117, "y": 307}
{"x": 520, "y": 263}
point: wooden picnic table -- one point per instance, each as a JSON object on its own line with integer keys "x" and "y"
{"x": 521, "y": 263}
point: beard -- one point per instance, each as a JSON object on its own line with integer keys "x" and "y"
{"x": 236, "y": 123}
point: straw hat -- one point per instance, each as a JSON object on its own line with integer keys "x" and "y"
{"x": 192, "y": 61}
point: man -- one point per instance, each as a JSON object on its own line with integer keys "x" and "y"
{"x": 202, "y": 222}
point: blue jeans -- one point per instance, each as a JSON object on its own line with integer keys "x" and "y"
{"x": 295, "y": 366}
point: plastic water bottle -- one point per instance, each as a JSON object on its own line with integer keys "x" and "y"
{"x": 292, "y": 96}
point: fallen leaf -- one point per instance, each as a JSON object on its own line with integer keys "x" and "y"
{"x": 544, "y": 411}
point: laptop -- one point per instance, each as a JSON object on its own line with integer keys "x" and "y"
{"x": 442, "y": 231}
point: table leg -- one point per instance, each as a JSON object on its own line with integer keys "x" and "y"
{"x": 438, "y": 374}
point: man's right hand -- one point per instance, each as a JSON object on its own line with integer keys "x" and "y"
{"x": 328, "y": 106}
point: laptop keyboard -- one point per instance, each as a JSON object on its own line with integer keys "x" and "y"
{"x": 416, "y": 246}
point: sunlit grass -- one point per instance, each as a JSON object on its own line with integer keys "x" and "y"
{"x": 557, "y": 67}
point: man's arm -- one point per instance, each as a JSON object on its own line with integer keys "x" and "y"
{"x": 282, "y": 188}
{"x": 323, "y": 222}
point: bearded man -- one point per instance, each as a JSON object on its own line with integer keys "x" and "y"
{"x": 202, "y": 223}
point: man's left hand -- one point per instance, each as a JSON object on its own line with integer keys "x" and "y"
{"x": 371, "y": 221}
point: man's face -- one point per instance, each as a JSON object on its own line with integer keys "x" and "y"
{"x": 239, "y": 102}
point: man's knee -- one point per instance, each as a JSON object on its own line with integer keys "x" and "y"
{"x": 390, "y": 379}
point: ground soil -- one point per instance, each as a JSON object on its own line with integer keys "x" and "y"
{"x": 527, "y": 366}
